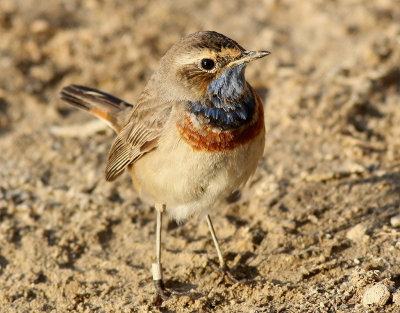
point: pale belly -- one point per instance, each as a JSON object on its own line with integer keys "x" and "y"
{"x": 191, "y": 182}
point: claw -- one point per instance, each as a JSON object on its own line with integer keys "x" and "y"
{"x": 163, "y": 293}
{"x": 225, "y": 272}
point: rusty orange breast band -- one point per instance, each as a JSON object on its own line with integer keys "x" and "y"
{"x": 209, "y": 139}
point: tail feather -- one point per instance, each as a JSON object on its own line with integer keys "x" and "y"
{"x": 98, "y": 103}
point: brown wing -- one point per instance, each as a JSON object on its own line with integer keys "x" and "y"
{"x": 139, "y": 136}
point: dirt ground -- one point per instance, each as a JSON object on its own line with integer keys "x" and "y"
{"x": 315, "y": 230}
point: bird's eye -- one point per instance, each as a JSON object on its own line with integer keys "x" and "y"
{"x": 207, "y": 64}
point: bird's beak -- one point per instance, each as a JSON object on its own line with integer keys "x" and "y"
{"x": 249, "y": 56}
{"x": 254, "y": 55}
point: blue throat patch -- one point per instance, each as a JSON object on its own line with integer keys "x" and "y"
{"x": 229, "y": 104}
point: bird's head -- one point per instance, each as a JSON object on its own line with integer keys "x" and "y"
{"x": 207, "y": 65}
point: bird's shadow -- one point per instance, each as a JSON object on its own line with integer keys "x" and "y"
{"x": 241, "y": 271}
{"x": 183, "y": 288}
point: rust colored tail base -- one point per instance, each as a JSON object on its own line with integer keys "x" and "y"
{"x": 98, "y": 103}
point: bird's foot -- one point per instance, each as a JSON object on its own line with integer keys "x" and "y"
{"x": 225, "y": 272}
{"x": 163, "y": 293}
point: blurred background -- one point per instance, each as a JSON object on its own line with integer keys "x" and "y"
{"x": 316, "y": 227}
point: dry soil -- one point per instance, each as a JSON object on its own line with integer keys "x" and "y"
{"x": 314, "y": 230}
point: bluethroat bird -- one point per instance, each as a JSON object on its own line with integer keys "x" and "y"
{"x": 194, "y": 136}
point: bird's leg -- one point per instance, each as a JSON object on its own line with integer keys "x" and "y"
{"x": 223, "y": 269}
{"x": 161, "y": 292}
{"x": 214, "y": 237}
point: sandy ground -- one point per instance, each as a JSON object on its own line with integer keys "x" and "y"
{"x": 315, "y": 229}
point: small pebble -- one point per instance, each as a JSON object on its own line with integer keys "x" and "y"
{"x": 377, "y": 294}
{"x": 289, "y": 224}
{"x": 40, "y": 26}
{"x": 395, "y": 221}
{"x": 313, "y": 219}
{"x": 357, "y": 233}
{"x": 396, "y": 297}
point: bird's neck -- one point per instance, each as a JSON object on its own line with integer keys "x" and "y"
{"x": 229, "y": 102}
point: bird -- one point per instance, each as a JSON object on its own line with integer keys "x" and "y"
{"x": 193, "y": 137}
